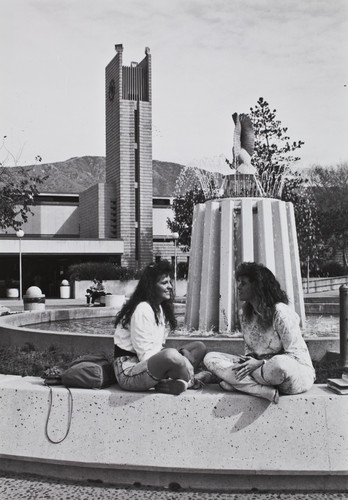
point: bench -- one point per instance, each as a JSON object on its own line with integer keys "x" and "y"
{"x": 200, "y": 439}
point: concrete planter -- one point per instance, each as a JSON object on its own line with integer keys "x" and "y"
{"x": 116, "y": 301}
{"x": 34, "y": 303}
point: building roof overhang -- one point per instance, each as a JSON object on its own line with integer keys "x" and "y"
{"x": 61, "y": 246}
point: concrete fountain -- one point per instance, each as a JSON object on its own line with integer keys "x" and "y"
{"x": 245, "y": 224}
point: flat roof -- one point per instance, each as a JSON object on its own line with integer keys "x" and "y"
{"x": 61, "y": 246}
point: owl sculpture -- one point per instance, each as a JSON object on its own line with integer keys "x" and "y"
{"x": 243, "y": 144}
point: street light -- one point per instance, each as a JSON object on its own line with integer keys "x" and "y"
{"x": 175, "y": 237}
{"x": 20, "y": 234}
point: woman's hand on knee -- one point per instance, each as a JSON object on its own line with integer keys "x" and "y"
{"x": 246, "y": 366}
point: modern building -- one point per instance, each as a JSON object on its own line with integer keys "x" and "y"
{"x": 128, "y": 110}
{"x": 118, "y": 220}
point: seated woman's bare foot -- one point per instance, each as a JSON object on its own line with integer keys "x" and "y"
{"x": 276, "y": 397}
{"x": 171, "y": 386}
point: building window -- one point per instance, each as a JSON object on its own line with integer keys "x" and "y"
{"x": 161, "y": 202}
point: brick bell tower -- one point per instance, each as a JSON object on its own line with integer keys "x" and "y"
{"x": 128, "y": 107}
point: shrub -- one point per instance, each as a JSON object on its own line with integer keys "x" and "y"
{"x": 27, "y": 361}
{"x": 100, "y": 271}
{"x": 333, "y": 269}
{"x": 324, "y": 269}
{"x": 325, "y": 369}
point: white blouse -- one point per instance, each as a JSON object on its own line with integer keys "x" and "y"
{"x": 282, "y": 337}
{"x": 143, "y": 336}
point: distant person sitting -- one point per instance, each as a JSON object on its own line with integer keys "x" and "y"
{"x": 96, "y": 290}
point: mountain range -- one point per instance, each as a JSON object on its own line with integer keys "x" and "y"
{"x": 79, "y": 173}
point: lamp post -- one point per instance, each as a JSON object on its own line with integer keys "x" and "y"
{"x": 175, "y": 237}
{"x": 20, "y": 234}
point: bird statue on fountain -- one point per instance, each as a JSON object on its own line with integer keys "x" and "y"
{"x": 243, "y": 144}
{"x": 244, "y": 181}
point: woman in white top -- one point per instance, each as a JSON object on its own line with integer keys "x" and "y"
{"x": 276, "y": 356}
{"x": 141, "y": 361}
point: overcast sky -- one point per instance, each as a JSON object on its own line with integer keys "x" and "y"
{"x": 210, "y": 58}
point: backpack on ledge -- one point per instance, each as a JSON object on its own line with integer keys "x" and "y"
{"x": 92, "y": 371}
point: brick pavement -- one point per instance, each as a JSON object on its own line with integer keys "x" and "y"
{"x": 15, "y": 487}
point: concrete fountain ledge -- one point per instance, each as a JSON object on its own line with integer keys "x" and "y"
{"x": 200, "y": 439}
{"x": 15, "y": 330}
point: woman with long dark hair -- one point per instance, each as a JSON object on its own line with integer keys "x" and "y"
{"x": 276, "y": 356}
{"x": 141, "y": 361}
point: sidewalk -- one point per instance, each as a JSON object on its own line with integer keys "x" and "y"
{"x": 13, "y": 487}
{"x": 16, "y": 305}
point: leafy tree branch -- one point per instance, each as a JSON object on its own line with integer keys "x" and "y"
{"x": 17, "y": 191}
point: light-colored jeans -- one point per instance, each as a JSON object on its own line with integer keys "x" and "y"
{"x": 133, "y": 375}
{"x": 281, "y": 371}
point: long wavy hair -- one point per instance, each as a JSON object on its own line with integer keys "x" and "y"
{"x": 266, "y": 289}
{"x": 145, "y": 291}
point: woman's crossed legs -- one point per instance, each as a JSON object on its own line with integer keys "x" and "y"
{"x": 284, "y": 372}
{"x": 281, "y": 372}
{"x": 220, "y": 364}
{"x": 175, "y": 368}
{"x": 169, "y": 371}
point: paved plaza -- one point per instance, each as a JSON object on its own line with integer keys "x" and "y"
{"x": 26, "y": 487}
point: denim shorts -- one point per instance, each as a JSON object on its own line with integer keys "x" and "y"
{"x": 133, "y": 375}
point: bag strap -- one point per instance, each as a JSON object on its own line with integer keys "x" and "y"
{"x": 70, "y": 410}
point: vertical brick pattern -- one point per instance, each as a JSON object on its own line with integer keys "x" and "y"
{"x": 127, "y": 179}
{"x": 145, "y": 183}
{"x": 89, "y": 212}
{"x": 145, "y": 171}
{"x": 107, "y": 226}
{"x": 120, "y": 164}
{"x": 95, "y": 214}
{"x": 112, "y": 118}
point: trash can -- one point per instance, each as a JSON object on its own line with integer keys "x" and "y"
{"x": 12, "y": 293}
{"x": 34, "y": 299}
{"x": 64, "y": 290}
